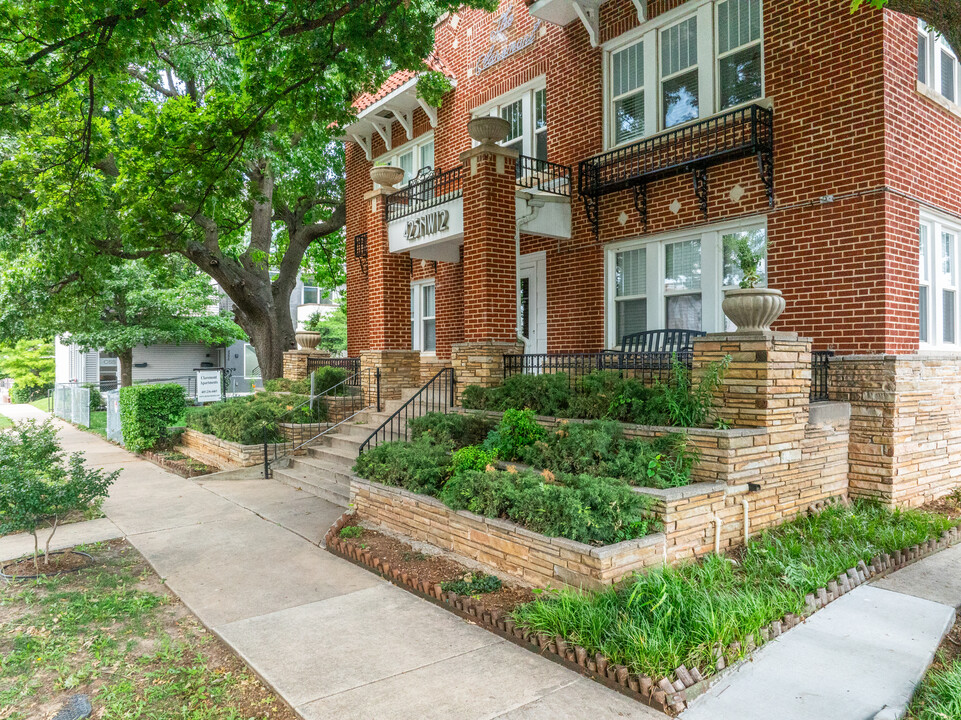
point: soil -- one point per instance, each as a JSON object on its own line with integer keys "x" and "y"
{"x": 179, "y": 463}
{"x": 436, "y": 569}
{"x": 949, "y": 505}
{"x": 60, "y": 562}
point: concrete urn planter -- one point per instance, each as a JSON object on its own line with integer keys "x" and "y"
{"x": 386, "y": 176}
{"x": 753, "y": 310}
{"x": 307, "y": 339}
{"x": 488, "y": 129}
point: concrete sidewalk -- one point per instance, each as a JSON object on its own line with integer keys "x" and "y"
{"x": 332, "y": 639}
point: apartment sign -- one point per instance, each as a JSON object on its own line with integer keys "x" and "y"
{"x": 427, "y": 225}
{"x": 209, "y": 386}
{"x": 500, "y": 48}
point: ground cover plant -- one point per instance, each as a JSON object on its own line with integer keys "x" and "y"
{"x": 325, "y": 378}
{"x": 655, "y": 622}
{"x": 611, "y": 395}
{"x": 39, "y": 486}
{"x": 938, "y": 697}
{"x": 113, "y": 631}
{"x": 244, "y": 419}
{"x": 472, "y": 583}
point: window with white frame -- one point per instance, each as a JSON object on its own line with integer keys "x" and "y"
{"x": 526, "y": 113}
{"x": 938, "y": 270}
{"x": 938, "y": 66}
{"x": 423, "y": 318}
{"x": 311, "y": 295}
{"x": 683, "y": 67}
{"x": 412, "y": 157}
{"x": 677, "y": 280}
{"x": 251, "y": 364}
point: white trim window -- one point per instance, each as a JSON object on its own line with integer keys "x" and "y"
{"x": 938, "y": 65}
{"x": 251, "y": 364}
{"x": 423, "y": 316}
{"x": 412, "y": 157}
{"x": 525, "y": 110}
{"x": 938, "y": 270}
{"x": 677, "y": 280}
{"x": 311, "y": 295}
{"x": 691, "y": 62}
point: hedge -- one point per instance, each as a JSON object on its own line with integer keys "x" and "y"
{"x": 147, "y": 410}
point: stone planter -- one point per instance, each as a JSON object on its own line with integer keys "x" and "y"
{"x": 488, "y": 129}
{"x": 307, "y": 339}
{"x": 386, "y": 176}
{"x": 753, "y": 310}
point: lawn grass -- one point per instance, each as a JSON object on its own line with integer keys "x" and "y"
{"x": 113, "y": 631}
{"x": 5, "y": 422}
{"x": 98, "y": 423}
{"x": 42, "y": 404}
{"x": 655, "y": 622}
{"x": 939, "y": 696}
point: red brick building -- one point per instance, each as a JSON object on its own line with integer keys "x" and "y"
{"x": 649, "y": 136}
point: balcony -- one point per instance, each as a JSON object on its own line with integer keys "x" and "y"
{"x": 745, "y": 132}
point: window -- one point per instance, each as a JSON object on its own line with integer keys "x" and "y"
{"x": 526, "y": 112}
{"x": 938, "y": 281}
{"x": 664, "y": 75}
{"x": 679, "y": 82}
{"x": 677, "y": 280}
{"x": 412, "y": 157}
{"x": 423, "y": 319}
{"x": 627, "y": 93}
{"x": 738, "y": 52}
{"x": 938, "y": 66}
{"x": 251, "y": 365}
{"x": 311, "y": 295}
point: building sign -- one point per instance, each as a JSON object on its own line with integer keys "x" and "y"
{"x": 425, "y": 225}
{"x": 209, "y": 387}
{"x": 500, "y": 48}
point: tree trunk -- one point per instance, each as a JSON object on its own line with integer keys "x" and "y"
{"x": 125, "y": 357}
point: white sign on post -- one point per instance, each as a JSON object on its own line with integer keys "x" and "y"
{"x": 209, "y": 388}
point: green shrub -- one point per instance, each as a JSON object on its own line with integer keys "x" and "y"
{"x": 545, "y": 394}
{"x": 147, "y": 410}
{"x": 576, "y": 447}
{"x": 476, "y": 583}
{"x": 689, "y": 405}
{"x": 583, "y": 508}
{"x": 351, "y": 531}
{"x": 455, "y": 428}
{"x": 21, "y": 394}
{"x": 37, "y": 486}
{"x": 326, "y": 378}
{"x": 252, "y": 419}
{"x": 470, "y": 459}
{"x": 96, "y": 399}
{"x": 517, "y": 430}
{"x": 419, "y": 465}
{"x": 474, "y": 397}
{"x": 301, "y": 387}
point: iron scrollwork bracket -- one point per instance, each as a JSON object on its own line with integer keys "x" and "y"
{"x": 699, "y": 174}
{"x": 640, "y": 202}
{"x": 765, "y": 166}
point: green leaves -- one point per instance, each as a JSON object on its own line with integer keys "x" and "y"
{"x": 146, "y": 411}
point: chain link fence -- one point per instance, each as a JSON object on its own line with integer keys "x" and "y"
{"x": 114, "y": 430}
{"x": 71, "y": 402}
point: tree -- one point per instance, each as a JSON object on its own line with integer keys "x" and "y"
{"x": 37, "y": 486}
{"x": 332, "y": 328}
{"x": 121, "y": 305}
{"x": 30, "y": 364}
{"x": 195, "y": 128}
{"x": 942, "y": 15}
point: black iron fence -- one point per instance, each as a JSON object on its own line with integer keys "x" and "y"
{"x": 820, "y": 361}
{"x": 433, "y": 190}
{"x": 319, "y": 415}
{"x": 350, "y": 364}
{"x": 437, "y": 395}
{"x": 646, "y": 366}
{"x": 543, "y": 175}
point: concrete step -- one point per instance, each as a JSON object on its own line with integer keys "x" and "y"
{"x": 361, "y": 430}
{"x": 332, "y": 471}
{"x": 315, "y": 484}
{"x": 343, "y": 442}
{"x": 345, "y": 458}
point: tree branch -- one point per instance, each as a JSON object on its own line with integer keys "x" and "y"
{"x": 135, "y": 73}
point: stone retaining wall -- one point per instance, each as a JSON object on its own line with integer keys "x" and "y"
{"x": 229, "y": 455}
{"x": 503, "y": 545}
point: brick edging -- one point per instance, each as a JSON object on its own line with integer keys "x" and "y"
{"x": 664, "y": 694}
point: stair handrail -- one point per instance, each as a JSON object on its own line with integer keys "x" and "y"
{"x": 368, "y": 397}
{"x": 440, "y": 387}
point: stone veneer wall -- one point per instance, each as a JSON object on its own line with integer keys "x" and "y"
{"x": 399, "y": 370}
{"x": 905, "y": 424}
{"x": 227, "y": 455}
{"x": 503, "y": 545}
{"x": 295, "y": 362}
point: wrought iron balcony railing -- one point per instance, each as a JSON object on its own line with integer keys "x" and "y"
{"x": 744, "y": 132}
{"x": 435, "y": 188}
{"x": 543, "y": 175}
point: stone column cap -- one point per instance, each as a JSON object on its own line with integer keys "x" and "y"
{"x": 488, "y": 149}
{"x": 752, "y": 336}
{"x": 378, "y": 192}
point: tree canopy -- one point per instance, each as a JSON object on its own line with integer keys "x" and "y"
{"x": 203, "y": 129}
{"x": 942, "y": 15}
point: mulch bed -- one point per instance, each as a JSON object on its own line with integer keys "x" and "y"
{"x": 60, "y": 562}
{"x": 434, "y": 569}
{"x": 179, "y": 463}
{"x": 949, "y": 506}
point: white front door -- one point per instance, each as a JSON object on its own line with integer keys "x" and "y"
{"x": 532, "y": 302}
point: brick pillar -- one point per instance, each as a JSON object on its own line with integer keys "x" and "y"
{"x": 490, "y": 267}
{"x": 767, "y": 384}
{"x": 388, "y": 307}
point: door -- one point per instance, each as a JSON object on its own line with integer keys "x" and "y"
{"x": 532, "y": 302}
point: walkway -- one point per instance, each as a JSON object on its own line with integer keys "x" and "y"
{"x": 332, "y": 639}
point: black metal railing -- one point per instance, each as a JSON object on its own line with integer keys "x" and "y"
{"x": 645, "y": 366}
{"x": 350, "y": 364}
{"x": 320, "y": 414}
{"x": 543, "y": 175}
{"x": 437, "y": 395}
{"x": 433, "y": 190}
{"x": 820, "y": 361}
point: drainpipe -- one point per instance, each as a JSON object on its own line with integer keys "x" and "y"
{"x": 717, "y": 534}
{"x": 747, "y": 526}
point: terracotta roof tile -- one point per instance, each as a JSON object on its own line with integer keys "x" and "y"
{"x": 399, "y": 78}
